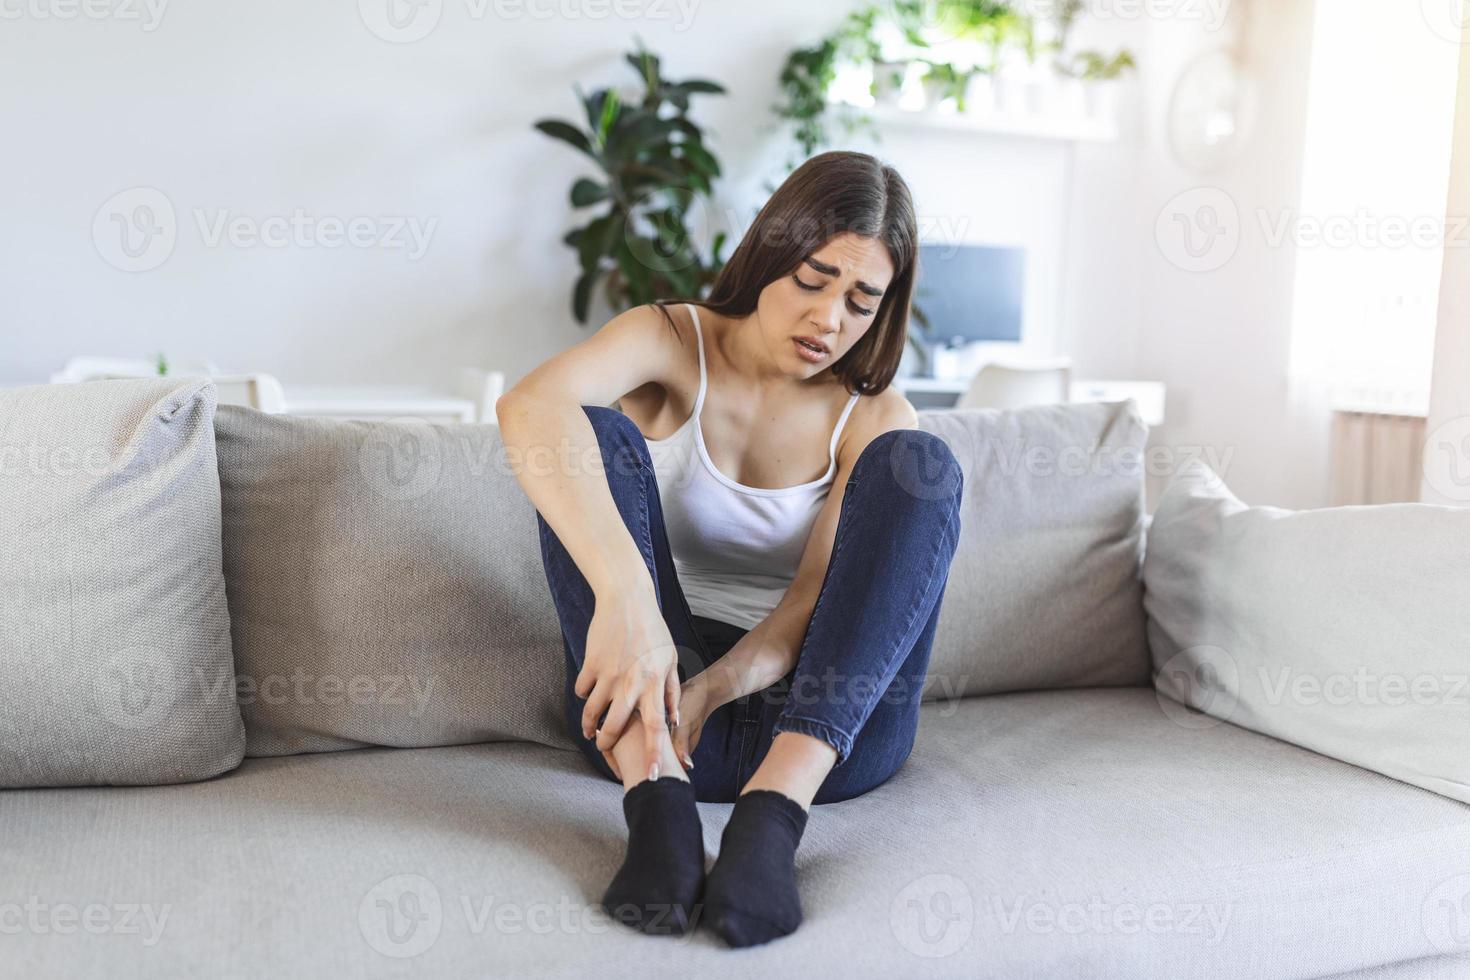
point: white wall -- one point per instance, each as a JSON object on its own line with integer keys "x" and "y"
{"x": 259, "y": 109}
{"x": 1220, "y": 338}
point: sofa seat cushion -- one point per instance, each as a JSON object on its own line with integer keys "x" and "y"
{"x": 1047, "y": 834}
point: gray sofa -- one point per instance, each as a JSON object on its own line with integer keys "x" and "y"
{"x": 1060, "y": 815}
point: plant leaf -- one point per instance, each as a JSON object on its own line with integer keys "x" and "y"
{"x": 567, "y": 133}
{"x": 582, "y": 295}
{"x": 586, "y": 192}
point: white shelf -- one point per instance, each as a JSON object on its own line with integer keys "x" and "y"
{"x": 996, "y": 124}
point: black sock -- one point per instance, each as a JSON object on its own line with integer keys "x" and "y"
{"x": 662, "y": 877}
{"x": 751, "y": 895}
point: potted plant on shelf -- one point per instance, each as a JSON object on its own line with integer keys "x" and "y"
{"x": 1099, "y": 75}
{"x": 1091, "y": 74}
{"x": 654, "y": 177}
{"x": 944, "y": 81}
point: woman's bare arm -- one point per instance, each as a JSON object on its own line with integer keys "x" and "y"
{"x": 551, "y": 444}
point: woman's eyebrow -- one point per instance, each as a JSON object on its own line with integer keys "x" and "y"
{"x": 832, "y": 270}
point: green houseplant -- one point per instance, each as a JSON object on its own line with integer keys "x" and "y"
{"x": 655, "y": 172}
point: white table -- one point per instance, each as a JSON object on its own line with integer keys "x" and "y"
{"x": 378, "y": 402}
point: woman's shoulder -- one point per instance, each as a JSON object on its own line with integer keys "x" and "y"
{"x": 873, "y": 415}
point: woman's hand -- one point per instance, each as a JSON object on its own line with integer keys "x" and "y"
{"x": 630, "y": 670}
{"x": 696, "y": 702}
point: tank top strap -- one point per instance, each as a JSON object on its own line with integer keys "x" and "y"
{"x": 841, "y": 421}
{"x": 699, "y": 339}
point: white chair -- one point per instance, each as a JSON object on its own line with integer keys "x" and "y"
{"x": 261, "y": 392}
{"x": 483, "y": 388}
{"x": 1041, "y": 381}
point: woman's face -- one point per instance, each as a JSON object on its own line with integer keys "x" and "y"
{"x": 830, "y": 299}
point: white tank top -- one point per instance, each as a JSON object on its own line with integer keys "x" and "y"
{"x": 736, "y": 548}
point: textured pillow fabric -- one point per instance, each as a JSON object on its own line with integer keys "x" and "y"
{"x": 114, "y": 629}
{"x": 1044, "y": 590}
{"x": 1339, "y": 629}
{"x": 385, "y": 586}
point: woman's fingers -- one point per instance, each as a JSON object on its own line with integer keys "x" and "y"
{"x": 597, "y": 703}
{"x": 672, "y": 691}
{"x": 620, "y": 707}
{"x": 586, "y": 680}
{"x": 684, "y": 747}
{"x": 655, "y": 726}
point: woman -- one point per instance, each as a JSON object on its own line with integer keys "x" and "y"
{"x": 748, "y": 618}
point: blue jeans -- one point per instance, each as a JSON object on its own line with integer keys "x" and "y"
{"x": 857, "y": 682}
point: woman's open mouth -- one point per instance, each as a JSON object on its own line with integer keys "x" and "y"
{"x": 809, "y": 352}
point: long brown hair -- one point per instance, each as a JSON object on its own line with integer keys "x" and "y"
{"x": 831, "y": 193}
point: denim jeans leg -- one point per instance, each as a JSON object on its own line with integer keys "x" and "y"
{"x": 857, "y": 681}
{"x": 628, "y": 466}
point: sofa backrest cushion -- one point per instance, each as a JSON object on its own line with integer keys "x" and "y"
{"x": 385, "y": 586}
{"x": 114, "y": 630}
{"x": 1339, "y": 629}
{"x": 1044, "y": 590}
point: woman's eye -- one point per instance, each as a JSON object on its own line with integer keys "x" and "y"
{"x": 860, "y": 311}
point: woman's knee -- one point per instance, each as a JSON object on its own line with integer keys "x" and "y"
{"x": 916, "y": 464}
{"x": 623, "y": 446}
